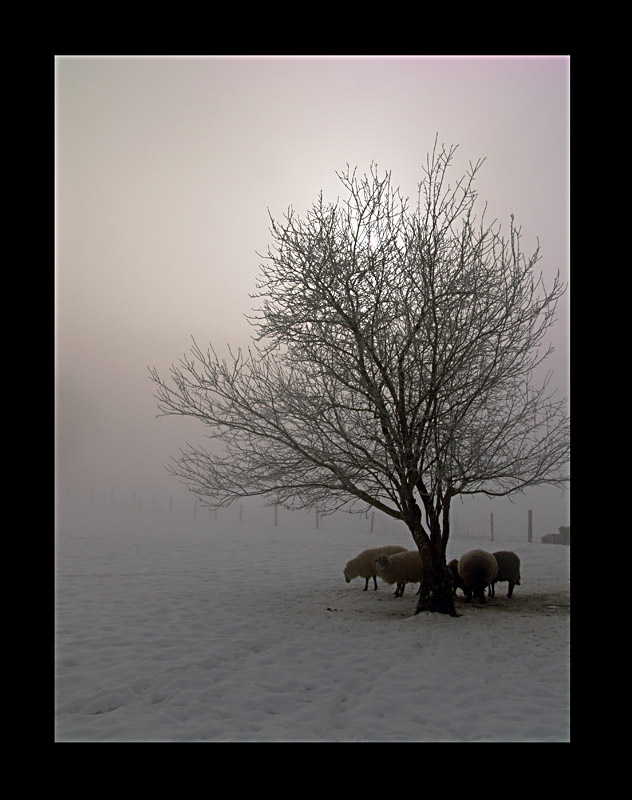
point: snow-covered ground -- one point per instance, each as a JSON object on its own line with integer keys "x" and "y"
{"x": 187, "y": 630}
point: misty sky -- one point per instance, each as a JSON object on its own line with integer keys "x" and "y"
{"x": 165, "y": 171}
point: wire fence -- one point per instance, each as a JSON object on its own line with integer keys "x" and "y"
{"x": 465, "y": 524}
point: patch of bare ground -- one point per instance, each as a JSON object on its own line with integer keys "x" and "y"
{"x": 547, "y": 603}
{"x": 347, "y": 603}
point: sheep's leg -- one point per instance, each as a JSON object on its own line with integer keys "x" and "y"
{"x": 510, "y": 590}
{"x": 374, "y": 584}
{"x": 366, "y": 585}
{"x": 491, "y": 591}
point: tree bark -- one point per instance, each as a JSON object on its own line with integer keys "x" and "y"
{"x": 435, "y": 592}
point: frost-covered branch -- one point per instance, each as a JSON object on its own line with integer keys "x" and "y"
{"x": 392, "y": 363}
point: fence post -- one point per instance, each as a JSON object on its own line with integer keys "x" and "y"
{"x": 530, "y": 526}
{"x": 372, "y": 520}
{"x": 491, "y": 516}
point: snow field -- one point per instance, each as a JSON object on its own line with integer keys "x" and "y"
{"x": 188, "y": 631}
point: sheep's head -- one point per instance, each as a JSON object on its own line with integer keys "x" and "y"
{"x": 382, "y": 560}
{"x": 347, "y": 575}
{"x": 453, "y": 567}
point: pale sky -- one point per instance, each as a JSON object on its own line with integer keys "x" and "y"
{"x": 166, "y": 168}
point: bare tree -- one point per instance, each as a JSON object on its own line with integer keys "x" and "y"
{"x": 392, "y": 367}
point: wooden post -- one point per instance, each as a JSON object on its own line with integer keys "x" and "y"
{"x": 240, "y": 510}
{"x": 492, "y": 523}
{"x": 530, "y": 527}
{"x": 372, "y": 520}
{"x": 317, "y": 520}
{"x": 276, "y": 516}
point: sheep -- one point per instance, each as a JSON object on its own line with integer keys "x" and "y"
{"x": 508, "y": 570}
{"x": 457, "y": 583}
{"x": 562, "y": 537}
{"x": 477, "y": 569}
{"x": 401, "y": 568}
{"x": 363, "y": 565}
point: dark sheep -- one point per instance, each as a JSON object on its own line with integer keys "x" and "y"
{"x": 562, "y": 537}
{"x": 508, "y": 570}
{"x": 477, "y": 569}
{"x": 457, "y": 582}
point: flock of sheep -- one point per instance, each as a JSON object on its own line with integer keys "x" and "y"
{"x": 475, "y": 571}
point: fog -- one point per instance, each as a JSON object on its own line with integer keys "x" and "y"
{"x": 165, "y": 171}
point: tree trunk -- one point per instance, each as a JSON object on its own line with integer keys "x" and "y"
{"x": 435, "y": 592}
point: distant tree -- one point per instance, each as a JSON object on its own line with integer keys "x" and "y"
{"x": 391, "y": 367}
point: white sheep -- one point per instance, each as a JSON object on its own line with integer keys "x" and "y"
{"x": 401, "y": 568}
{"x": 363, "y": 565}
